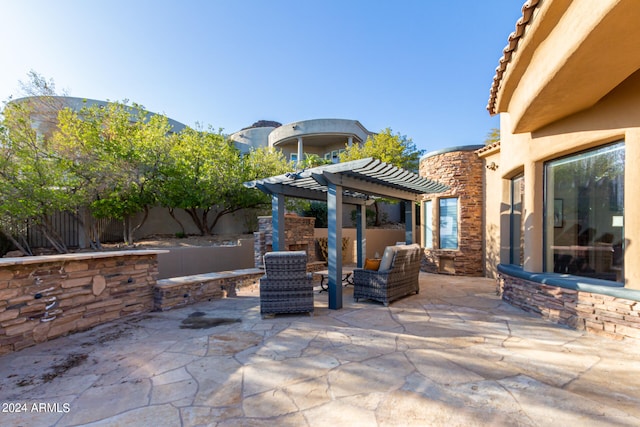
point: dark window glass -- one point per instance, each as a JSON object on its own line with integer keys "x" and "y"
{"x": 584, "y": 213}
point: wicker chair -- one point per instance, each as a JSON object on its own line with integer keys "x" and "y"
{"x": 388, "y": 285}
{"x": 286, "y": 286}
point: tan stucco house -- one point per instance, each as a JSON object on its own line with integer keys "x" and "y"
{"x": 561, "y": 223}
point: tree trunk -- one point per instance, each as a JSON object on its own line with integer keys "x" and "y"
{"x": 26, "y": 250}
{"x": 131, "y": 229}
{"x": 52, "y": 236}
{"x": 193, "y": 213}
{"x": 172, "y": 214}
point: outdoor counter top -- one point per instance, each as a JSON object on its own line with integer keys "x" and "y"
{"x": 6, "y": 262}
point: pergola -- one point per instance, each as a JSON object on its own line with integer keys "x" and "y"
{"x": 357, "y": 182}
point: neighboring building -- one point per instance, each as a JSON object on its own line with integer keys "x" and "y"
{"x": 323, "y": 137}
{"x": 254, "y": 136}
{"x": 560, "y": 188}
{"x": 451, "y": 222}
{"x": 46, "y": 108}
{"x": 326, "y": 138}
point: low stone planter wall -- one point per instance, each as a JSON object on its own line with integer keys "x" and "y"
{"x": 180, "y": 291}
{"x": 45, "y": 297}
{"x": 611, "y": 315}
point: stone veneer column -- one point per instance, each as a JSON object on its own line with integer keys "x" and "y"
{"x": 299, "y": 235}
{"x": 462, "y": 170}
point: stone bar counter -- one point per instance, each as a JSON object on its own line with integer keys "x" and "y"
{"x": 43, "y": 297}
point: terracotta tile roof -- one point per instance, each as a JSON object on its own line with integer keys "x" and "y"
{"x": 488, "y": 147}
{"x": 514, "y": 38}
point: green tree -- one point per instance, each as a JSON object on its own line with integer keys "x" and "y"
{"x": 492, "y": 136}
{"x": 261, "y": 163}
{"x": 115, "y": 153}
{"x": 395, "y": 149}
{"x": 33, "y": 181}
{"x": 205, "y": 174}
{"x": 313, "y": 160}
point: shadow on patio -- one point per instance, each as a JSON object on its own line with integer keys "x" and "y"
{"x": 453, "y": 355}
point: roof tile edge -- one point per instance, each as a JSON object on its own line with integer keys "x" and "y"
{"x": 514, "y": 39}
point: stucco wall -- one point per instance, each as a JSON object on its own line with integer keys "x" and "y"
{"x": 160, "y": 222}
{"x": 613, "y": 118}
{"x": 185, "y": 261}
{"x": 377, "y": 240}
{"x": 495, "y": 215}
{"x": 570, "y": 56}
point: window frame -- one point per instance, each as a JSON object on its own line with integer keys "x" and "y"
{"x": 427, "y": 220}
{"x": 456, "y": 224}
{"x": 516, "y": 180}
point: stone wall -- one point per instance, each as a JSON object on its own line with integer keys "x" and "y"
{"x": 462, "y": 170}
{"x": 49, "y": 296}
{"x": 299, "y": 235}
{"x": 181, "y": 291}
{"x": 595, "y": 313}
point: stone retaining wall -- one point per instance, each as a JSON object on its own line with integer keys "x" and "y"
{"x": 181, "y": 291}
{"x": 596, "y": 313}
{"x": 49, "y": 296}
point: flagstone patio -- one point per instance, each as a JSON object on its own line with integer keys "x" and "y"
{"x": 453, "y": 355}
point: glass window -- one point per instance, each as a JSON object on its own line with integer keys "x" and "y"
{"x": 335, "y": 156}
{"x": 449, "y": 223}
{"x": 584, "y": 213}
{"x": 427, "y": 215}
{"x": 293, "y": 157}
{"x": 517, "y": 221}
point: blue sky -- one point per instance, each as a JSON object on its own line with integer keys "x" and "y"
{"x": 423, "y": 68}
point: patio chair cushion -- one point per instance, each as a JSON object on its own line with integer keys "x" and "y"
{"x": 387, "y": 258}
{"x": 400, "y": 280}
{"x": 372, "y": 264}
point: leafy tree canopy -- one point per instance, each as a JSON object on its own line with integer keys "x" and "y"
{"x": 388, "y": 147}
{"x": 492, "y": 136}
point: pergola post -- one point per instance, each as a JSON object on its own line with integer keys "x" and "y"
{"x": 334, "y": 207}
{"x": 409, "y": 221}
{"x": 361, "y": 234}
{"x": 277, "y": 221}
{"x": 361, "y": 179}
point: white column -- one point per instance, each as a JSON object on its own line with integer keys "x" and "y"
{"x": 300, "y": 151}
{"x": 350, "y": 143}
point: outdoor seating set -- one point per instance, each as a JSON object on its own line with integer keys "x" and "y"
{"x": 286, "y": 286}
